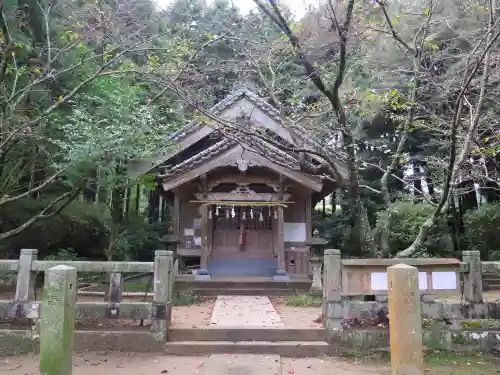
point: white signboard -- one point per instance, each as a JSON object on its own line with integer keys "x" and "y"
{"x": 445, "y": 280}
{"x": 295, "y": 232}
{"x": 379, "y": 281}
{"x": 422, "y": 280}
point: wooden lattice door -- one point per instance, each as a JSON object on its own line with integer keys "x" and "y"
{"x": 242, "y": 233}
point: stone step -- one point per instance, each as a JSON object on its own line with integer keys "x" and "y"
{"x": 242, "y": 364}
{"x": 244, "y": 292}
{"x": 491, "y": 287}
{"x": 492, "y": 282}
{"x": 189, "y": 284}
{"x": 277, "y": 334}
{"x": 283, "y": 348}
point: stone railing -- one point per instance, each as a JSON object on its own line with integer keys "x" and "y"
{"x": 158, "y": 312}
{"x": 445, "y": 321}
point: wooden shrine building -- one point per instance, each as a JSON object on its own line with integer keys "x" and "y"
{"x": 242, "y": 207}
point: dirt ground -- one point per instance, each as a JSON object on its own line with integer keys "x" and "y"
{"x": 151, "y": 364}
{"x": 129, "y": 364}
{"x": 297, "y": 317}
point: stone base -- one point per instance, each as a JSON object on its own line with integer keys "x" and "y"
{"x": 315, "y": 291}
{"x": 377, "y": 339}
{"x": 202, "y": 275}
{"x": 281, "y": 275}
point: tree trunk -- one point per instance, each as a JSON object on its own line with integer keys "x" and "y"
{"x": 357, "y": 240}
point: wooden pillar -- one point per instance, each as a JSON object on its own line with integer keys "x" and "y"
{"x": 177, "y": 216}
{"x": 473, "y": 282}
{"x": 280, "y": 237}
{"x": 405, "y": 321}
{"x": 57, "y": 323}
{"x": 280, "y": 226}
{"x": 308, "y": 209}
{"x": 204, "y": 236}
{"x": 206, "y": 225}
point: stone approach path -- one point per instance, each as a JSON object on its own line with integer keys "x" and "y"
{"x": 229, "y": 311}
{"x": 245, "y": 312}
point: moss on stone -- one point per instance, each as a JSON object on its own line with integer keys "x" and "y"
{"x": 480, "y": 323}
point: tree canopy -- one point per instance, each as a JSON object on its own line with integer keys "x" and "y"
{"x": 405, "y": 94}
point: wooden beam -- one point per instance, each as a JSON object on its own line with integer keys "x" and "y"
{"x": 243, "y": 180}
{"x": 302, "y": 178}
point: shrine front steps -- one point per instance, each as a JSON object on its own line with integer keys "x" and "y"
{"x": 205, "y": 292}
{"x": 243, "y": 287}
{"x": 288, "y": 342}
{"x": 274, "y": 334}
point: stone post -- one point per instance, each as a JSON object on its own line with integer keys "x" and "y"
{"x": 174, "y": 294}
{"x": 25, "y": 288}
{"x": 332, "y": 290}
{"x": 473, "y": 281}
{"x": 57, "y": 322}
{"x": 114, "y": 295}
{"x": 405, "y": 321}
{"x": 332, "y": 279}
{"x": 162, "y": 300}
{"x": 316, "y": 285}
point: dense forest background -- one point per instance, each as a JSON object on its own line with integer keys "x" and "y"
{"x": 406, "y": 95}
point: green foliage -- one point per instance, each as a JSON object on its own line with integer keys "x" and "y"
{"x": 402, "y": 222}
{"x": 63, "y": 254}
{"x": 139, "y": 240}
{"x": 303, "y": 300}
{"x": 481, "y": 231}
{"x": 81, "y": 227}
{"x": 182, "y": 299}
{"x": 332, "y": 228}
{"x": 111, "y": 121}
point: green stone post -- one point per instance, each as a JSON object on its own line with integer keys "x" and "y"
{"x": 57, "y": 321}
{"x": 163, "y": 270}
